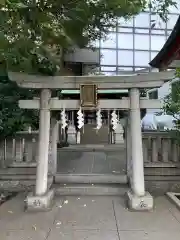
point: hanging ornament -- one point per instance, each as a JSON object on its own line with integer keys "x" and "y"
{"x": 80, "y": 118}
{"x": 98, "y": 119}
{"x": 63, "y": 119}
{"x": 114, "y": 120}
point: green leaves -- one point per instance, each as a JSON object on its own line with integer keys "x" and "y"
{"x": 2, "y": 2}
{"x": 12, "y": 118}
{"x": 172, "y": 102}
{"x": 172, "y": 105}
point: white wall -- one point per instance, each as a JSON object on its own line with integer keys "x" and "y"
{"x": 164, "y": 90}
{"x": 162, "y": 93}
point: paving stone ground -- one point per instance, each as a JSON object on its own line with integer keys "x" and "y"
{"x": 90, "y": 218}
{"x": 92, "y": 162}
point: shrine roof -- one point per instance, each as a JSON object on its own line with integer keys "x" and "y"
{"x": 170, "y": 51}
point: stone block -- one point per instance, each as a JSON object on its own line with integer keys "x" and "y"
{"x": 136, "y": 203}
{"x": 174, "y": 197}
{"x": 40, "y": 203}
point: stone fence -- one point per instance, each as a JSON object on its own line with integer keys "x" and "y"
{"x": 158, "y": 148}
{"x": 18, "y": 149}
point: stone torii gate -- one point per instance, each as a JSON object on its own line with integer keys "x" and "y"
{"x": 138, "y": 198}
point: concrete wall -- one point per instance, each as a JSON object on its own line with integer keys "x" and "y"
{"x": 89, "y": 134}
{"x": 85, "y": 56}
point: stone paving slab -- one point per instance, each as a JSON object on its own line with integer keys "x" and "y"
{"x": 13, "y": 216}
{"x": 175, "y": 212}
{"x": 91, "y": 162}
{"x": 161, "y": 219}
{"x": 91, "y": 218}
{"x": 142, "y": 235}
{"x": 87, "y": 213}
{"x": 83, "y": 234}
{"x": 24, "y": 235}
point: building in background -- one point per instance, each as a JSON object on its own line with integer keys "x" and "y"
{"x": 133, "y": 44}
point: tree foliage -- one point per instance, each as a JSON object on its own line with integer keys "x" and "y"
{"x": 12, "y": 118}
{"x": 172, "y": 104}
{"x": 172, "y": 100}
{"x": 35, "y": 33}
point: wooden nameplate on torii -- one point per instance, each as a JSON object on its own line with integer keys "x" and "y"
{"x": 88, "y": 96}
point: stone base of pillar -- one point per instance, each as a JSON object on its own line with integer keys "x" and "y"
{"x": 40, "y": 203}
{"x": 135, "y": 203}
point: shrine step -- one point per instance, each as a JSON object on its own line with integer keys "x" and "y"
{"x": 91, "y": 178}
{"x": 19, "y": 184}
{"x": 91, "y": 189}
{"x": 18, "y": 171}
{"x": 18, "y": 177}
{"x": 23, "y": 165}
{"x": 120, "y": 147}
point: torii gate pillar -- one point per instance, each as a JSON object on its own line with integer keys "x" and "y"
{"x": 138, "y": 199}
{"x": 43, "y": 197}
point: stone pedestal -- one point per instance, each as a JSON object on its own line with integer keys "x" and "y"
{"x": 136, "y": 203}
{"x": 78, "y": 137}
{"x": 71, "y": 134}
{"x": 39, "y": 203}
{"x": 118, "y": 135}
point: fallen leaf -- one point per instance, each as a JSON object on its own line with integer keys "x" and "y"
{"x": 10, "y": 212}
{"x": 85, "y": 205}
{"x": 58, "y": 223}
{"x": 2, "y": 196}
{"x": 34, "y": 227}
